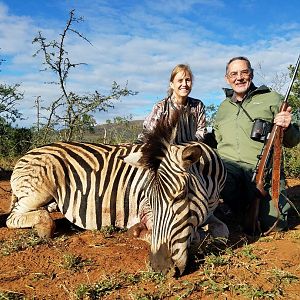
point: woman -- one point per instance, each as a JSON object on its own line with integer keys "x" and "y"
{"x": 193, "y": 127}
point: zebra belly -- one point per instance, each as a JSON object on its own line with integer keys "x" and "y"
{"x": 93, "y": 211}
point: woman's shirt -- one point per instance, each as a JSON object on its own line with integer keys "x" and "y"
{"x": 192, "y": 121}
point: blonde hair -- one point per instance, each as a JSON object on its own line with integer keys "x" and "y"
{"x": 175, "y": 71}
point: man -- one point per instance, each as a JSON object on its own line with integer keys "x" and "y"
{"x": 233, "y": 125}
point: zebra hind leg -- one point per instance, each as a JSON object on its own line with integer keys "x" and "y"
{"x": 40, "y": 220}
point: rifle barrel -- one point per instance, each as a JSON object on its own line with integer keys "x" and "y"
{"x": 292, "y": 81}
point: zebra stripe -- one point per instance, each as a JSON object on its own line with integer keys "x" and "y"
{"x": 168, "y": 189}
{"x": 87, "y": 181}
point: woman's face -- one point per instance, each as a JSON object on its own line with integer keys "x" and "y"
{"x": 181, "y": 85}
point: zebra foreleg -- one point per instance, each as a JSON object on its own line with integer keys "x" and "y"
{"x": 40, "y": 220}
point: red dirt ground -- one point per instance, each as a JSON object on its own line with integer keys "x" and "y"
{"x": 38, "y": 272}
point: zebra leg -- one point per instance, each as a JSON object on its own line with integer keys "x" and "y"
{"x": 46, "y": 226}
{"x": 217, "y": 228}
{"x": 40, "y": 220}
{"x": 23, "y": 217}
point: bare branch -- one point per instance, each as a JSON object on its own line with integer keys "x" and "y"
{"x": 72, "y": 112}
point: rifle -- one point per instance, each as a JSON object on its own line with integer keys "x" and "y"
{"x": 272, "y": 148}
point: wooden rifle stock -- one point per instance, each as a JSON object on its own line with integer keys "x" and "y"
{"x": 272, "y": 147}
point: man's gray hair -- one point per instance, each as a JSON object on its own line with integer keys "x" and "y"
{"x": 239, "y": 58}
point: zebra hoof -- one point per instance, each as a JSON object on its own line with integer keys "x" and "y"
{"x": 140, "y": 231}
{"x": 137, "y": 229}
{"x": 46, "y": 226}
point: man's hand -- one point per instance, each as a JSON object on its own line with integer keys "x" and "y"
{"x": 284, "y": 118}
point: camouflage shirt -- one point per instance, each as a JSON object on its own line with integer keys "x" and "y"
{"x": 194, "y": 121}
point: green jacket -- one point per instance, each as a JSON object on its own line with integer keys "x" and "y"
{"x": 233, "y": 124}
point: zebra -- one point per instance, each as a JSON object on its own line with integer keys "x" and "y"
{"x": 161, "y": 191}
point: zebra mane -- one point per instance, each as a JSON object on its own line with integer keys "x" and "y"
{"x": 157, "y": 141}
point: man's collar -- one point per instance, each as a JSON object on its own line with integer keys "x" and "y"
{"x": 229, "y": 93}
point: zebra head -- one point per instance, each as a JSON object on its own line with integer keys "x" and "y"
{"x": 167, "y": 191}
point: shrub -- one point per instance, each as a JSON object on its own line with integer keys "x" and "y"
{"x": 14, "y": 141}
{"x": 292, "y": 162}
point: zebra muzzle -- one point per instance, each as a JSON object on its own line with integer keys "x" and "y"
{"x": 161, "y": 261}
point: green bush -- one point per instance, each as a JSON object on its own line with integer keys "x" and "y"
{"x": 292, "y": 162}
{"x": 14, "y": 141}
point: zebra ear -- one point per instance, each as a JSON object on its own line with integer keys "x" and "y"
{"x": 191, "y": 154}
{"x": 134, "y": 159}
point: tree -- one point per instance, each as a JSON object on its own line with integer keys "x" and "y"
{"x": 71, "y": 113}
{"x": 277, "y": 82}
{"x": 13, "y": 141}
{"x": 292, "y": 156}
{"x": 210, "y": 111}
{"x": 9, "y": 97}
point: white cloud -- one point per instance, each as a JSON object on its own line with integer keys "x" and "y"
{"x": 139, "y": 45}
{"x": 13, "y": 32}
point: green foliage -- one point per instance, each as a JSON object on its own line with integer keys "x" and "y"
{"x": 29, "y": 239}
{"x": 74, "y": 262}
{"x": 98, "y": 290}
{"x": 292, "y": 162}
{"x": 247, "y": 251}
{"x": 108, "y": 231}
{"x": 111, "y": 283}
{"x": 210, "y": 111}
{"x": 216, "y": 260}
{"x": 10, "y": 295}
{"x": 14, "y": 141}
{"x": 280, "y": 276}
{"x": 292, "y": 156}
{"x": 294, "y": 98}
{"x": 9, "y": 97}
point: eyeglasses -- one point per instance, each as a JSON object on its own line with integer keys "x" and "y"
{"x": 243, "y": 73}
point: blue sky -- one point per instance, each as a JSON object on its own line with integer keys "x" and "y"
{"x": 140, "y": 41}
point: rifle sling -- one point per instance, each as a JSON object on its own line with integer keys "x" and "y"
{"x": 276, "y": 166}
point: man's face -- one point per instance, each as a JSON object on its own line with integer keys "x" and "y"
{"x": 239, "y": 77}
